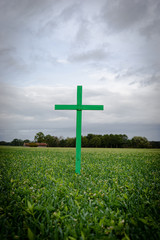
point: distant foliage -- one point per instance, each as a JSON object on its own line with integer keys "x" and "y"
{"x": 39, "y": 137}
{"x": 91, "y": 141}
{"x": 17, "y": 142}
{"x": 140, "y": 142}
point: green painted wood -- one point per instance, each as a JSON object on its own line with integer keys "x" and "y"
{"x": 78, "y": 129}
{"x": 79, "y": 107}
{"x": 92, "y": 107}
{"x": 65, "y": 107}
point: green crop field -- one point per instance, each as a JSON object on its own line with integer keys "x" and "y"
{"x": 115, "y": 197}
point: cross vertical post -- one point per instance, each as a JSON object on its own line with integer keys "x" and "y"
{"x": 78, "y": 129}
{"x": 79, "y": 107}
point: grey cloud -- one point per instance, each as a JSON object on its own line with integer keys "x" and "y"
{"x": 136, "y": 107}
{"x": 144, "y": 79}
{"x": 151, "y": 26}
{"x": 72, "y": 10}
{"x": 9, "y": 59}
{"x": 152, "y": 29}
{"x": 123, "y": 14}
{"x": 98, "y": 54}
{"x": 26, "y": 28}
{"x": 58, "y": 13}
{"x": 148, "y": 81}
{"x": 36, "y": 102}
{"x": 5, "y": 51}
{"x": 83, "y": 33}
{"x": 19, "y": 18}
{"x": 144, "y": 76}
{"x": 30, "y": 109}
{"x": 26, "y": 8}
{"x": 153, "y": 79}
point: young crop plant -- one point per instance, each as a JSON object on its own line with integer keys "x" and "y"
{"x": 115, "y": 197}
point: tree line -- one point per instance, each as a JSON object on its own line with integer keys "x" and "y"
{"x": 91, "y": 140}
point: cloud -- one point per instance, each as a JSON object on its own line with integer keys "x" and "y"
{"x": 83, "y": 34}
{"x": 21, "y": 23}
{"x": 94, "y": 55}
{"x": 151, "y": 27}
{"x": 123, "y": 14}
{"x": 49, "y": 47}
{"x": 140, "y": 76}
{"x": 70, "y": 11}
{"x": 141, "y": 17}
{"x": 32, "y": 108}
{"x": 150, "y": 80}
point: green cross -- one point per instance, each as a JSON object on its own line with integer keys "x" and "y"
{"x": 79, "y": 107}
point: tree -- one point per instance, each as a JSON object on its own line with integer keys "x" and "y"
{"x": 17, "y": 142}
{"x": 84, "y": 141}
{"x": 155, "y": 144}
{"x": 89, "y": 138}
{"x": 70, "y": 142}
{"x": 124, "y": 139}
{"x": 112, "y": 141}
{"x": 26, "y": 141}
{"x": 105, "y": 141}
{"x": 62, "y": 142}
{"x": 39, "y": 137}
{"x": 121, "y": 140}
{"x": 140, "y": 142}
{"x": 95, "y": 141}
{"x": 51, "y": 141}
{"x": 5, "y": 143}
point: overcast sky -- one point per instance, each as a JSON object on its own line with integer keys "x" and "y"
{"x": 111, "y": 48}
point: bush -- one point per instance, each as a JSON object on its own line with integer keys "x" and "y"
{"x": 33, "y": 144}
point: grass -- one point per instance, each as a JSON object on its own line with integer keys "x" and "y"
{"x": 115, "y": 197}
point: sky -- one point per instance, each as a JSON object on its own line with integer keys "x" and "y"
{"x": 49, "y": 47}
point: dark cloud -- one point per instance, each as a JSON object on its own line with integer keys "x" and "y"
{"x": 26, "y": 8}
{"x": 123, "y": 14}
{"x": 151, "y": 27}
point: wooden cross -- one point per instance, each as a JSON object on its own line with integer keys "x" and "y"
{"x": 79, "y": 107}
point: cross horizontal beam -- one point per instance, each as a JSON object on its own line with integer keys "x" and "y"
{"x": 80, "y": 107}
{"x": 92, "y": 107}
{"x": 65, "y": 107}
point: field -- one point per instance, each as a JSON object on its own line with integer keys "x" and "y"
{"x": 115, "y": 197}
